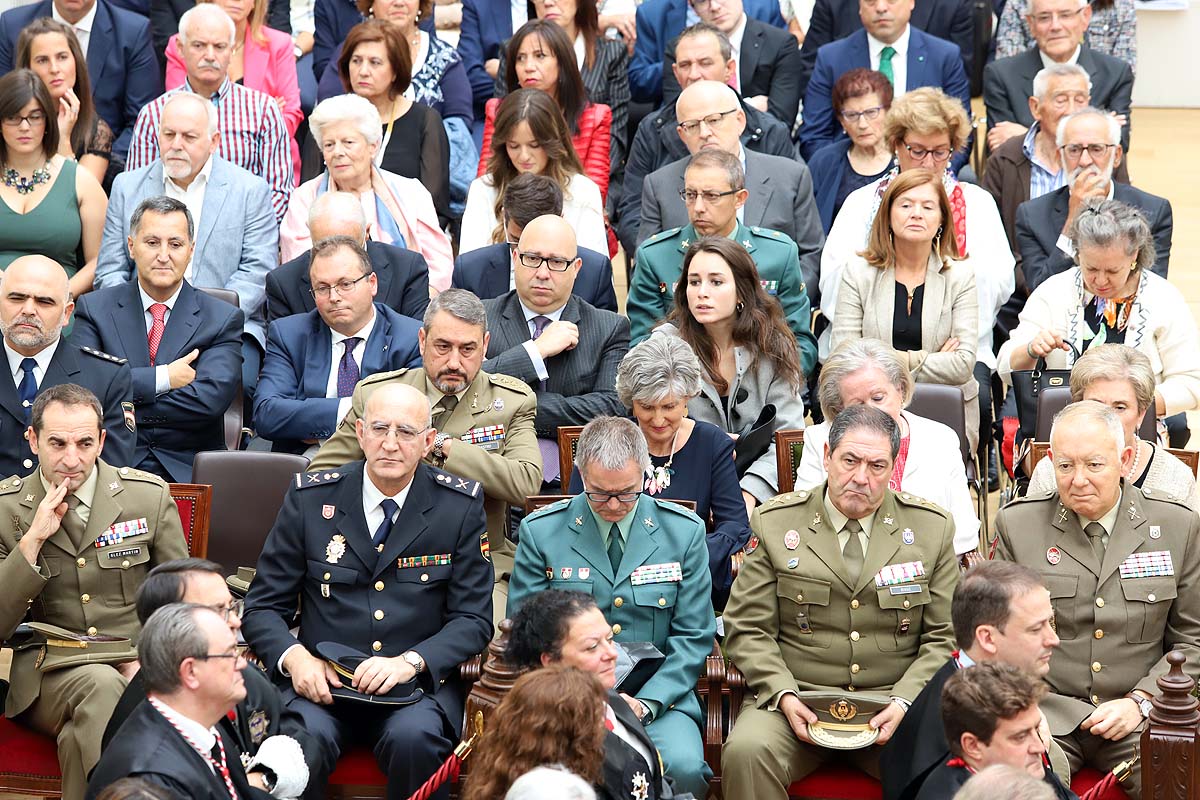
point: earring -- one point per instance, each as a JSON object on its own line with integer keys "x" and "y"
{"x": 937, "y": 241}
{"x": 739, "y": 306}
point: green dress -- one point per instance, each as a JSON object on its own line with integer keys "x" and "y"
{"x": 52, "y": 229}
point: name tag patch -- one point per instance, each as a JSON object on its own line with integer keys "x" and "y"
{"x": 488, "y": 437}
{"x": 893, "y": 574}
{"x": 907, "y": 588}
{"x": 670, "y": 572}
{"x": 440, "y": 560}
{"x": 121, "y": 530}
{"x": 129, "y": 551}
{"x": 1156, "y": 564}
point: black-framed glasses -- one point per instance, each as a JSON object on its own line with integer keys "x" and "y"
{"x": 690, "y": 197}
{"x": 919, "y": 153}
{"x": 621, "y": 497}
{"x": 854, "y": 116}
{"x": 1096, "y": 151}
{"x": 553, "y": 263}
{"x": 344, "y": 286}
{"x": 34, "y": 119}
{"x": 235, "y": 655}
{"x": 235, "y": 606}
{"x": 712, "y": 121}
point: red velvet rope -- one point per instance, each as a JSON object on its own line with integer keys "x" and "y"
{"x": 448, "y": 771}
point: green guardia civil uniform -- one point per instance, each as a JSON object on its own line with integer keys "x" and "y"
{"x": 660, "y": 267}
{"x": 661, "y": 592}
{"x": 497, "y": 446}
{"x": 796, "y": 622}
{"x": 85, "y": 581}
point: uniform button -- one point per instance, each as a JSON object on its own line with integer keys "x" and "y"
{"x": 849, "y": 688}
{"x": 854, "y": 668}
{"x": 1099, "y": 634}
{"x": 379, "y": 586}
{"x": 379, "y": 613}
{"x": 376, "y": 646}
{"x": 854, "y": 603}
{"x": 92, "y": 631}
{"x": 424, "y": 577}
{"x": 854, "y": 636}
{"x": 81, "y": 562}
{"x": 1099, "y": 602}
{"x": 618, "y": 602}
{"x": 906, "y": 604}
{"x": 1096, "y": 699}
{"x": 85, "y": 598}
{"x": 617, "y": 629}
{"x": 799, "y": 598}
{"x": 27, "y": 463}
{"x": 662, "y": 601}
{"x": 1096, "y": 666}
{"x": 125, "y": 564}
{"x": 325, "y": 577}
{"x": 1151, "y": 597}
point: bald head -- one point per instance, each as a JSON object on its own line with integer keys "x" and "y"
{"x": 546, "y": 264}
{"x": 337, "y": 214}
{"x": 399, "y": 397}
{"x": 710, "y": 115}
{"x": 35, "y": 304}
{"x": 395, "y": 434}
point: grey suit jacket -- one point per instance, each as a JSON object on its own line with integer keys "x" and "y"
{"x": 781, "y": 199}
{"x": 582, "y": 381}
{"x": 1008, "y": 83}
{"x": 237, "y": 242}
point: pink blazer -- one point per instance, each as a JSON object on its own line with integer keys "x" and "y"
{"x": 269, "y": 68}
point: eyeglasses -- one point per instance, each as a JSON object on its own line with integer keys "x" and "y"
{"x": 854, "y": 116}
{"x": 343, "y": 287}
{"x": 34, "y": 119}
{"x": 690, "y": 197}
{"x": 1049, "y": 16}
{"x": 235, "y": 606}
{"x": 553, "y": 263}
{"x": 712, "y": 121}
{"x": 621, "y": 497}
{"x": 201, "y": 47}
{"x": 1096, "y": 151}
{"x": 377, "y": 431}
{"x": 236, "y": 655}
{"x": 919, "y": 153}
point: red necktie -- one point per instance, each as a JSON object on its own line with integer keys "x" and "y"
{"x": 159, "y": 312}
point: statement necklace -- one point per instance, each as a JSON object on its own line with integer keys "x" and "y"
{"x": 14, "y": 179}
{"x": 661, "y": 477}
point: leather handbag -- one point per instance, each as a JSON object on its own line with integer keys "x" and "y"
{"x": 754, "y": 440}
{"x": 1029, "y": 383}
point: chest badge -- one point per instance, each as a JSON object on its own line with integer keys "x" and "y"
{"x": 791, "y": 539}
{"x": 335, "y": 549}
{"x": 1054, "y": 555}
{"x": 908, "y": 536}
{"x": 327, "y": 511}
{"x": 565, "y": 573}
{"x": 1155, "y": 532}
{"x": 498, "y": 404}
{"x": 793, "y": 563}
{"x": 641, "y": 787}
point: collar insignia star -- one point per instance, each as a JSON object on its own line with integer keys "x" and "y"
{"x": 649, "y": 523}
{"x": 888, "y": 520}
{"x": 579, "y": 520}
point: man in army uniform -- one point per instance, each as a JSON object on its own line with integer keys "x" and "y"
{"x": 714, "y": 190}
{"x": 847, "y": 588}
{"x": 388, "y": 559}
{"x": 1121, "y": 565}
{"x": 78, "y": 539}
{"x": 35, "y": 305}
{"x": 484, "y": 421}
{"x": 645, "y": 561}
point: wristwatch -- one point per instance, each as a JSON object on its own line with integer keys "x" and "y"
{"x": 269, "y": 778}
{"x": 1143, "y": 704}
{"x": 417, "y": 662}
{"x": 438, "y": 441}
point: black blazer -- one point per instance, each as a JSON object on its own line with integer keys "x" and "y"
{"x": 769, "y": 64}
{"x": 837, "y": 19}
{"x": 622, "y": 762}
{"x": 1008, "y": 83}
{"x": 403, "y": 279}
{"x": 1040, "y": 222}
{"x": 919, "y": 744}
{"x": 487, "y": 273}
{"x": 149, "y": 747}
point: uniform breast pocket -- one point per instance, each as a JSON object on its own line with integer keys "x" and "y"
{"x": 901, "y": 610}
{"x": 804, "y": 609}
{"x": 427, "y": 575}
{"x": 1147, "y": 602}
{"x": 131, "y": 561}
{"x": 329, "y": 577}
{"x": 656, "y": 602}
{"x": 1063, "y": 601}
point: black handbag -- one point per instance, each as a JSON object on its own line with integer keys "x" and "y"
{"x": 1029, "y": 383}
{"x": 754, "y": 440}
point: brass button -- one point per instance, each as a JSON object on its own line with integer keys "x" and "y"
{"x": 1096, "y": 699}
{"x": 92, "y": 631}
{"x": 1151, "y": 597}
{"x": 906, "y": 604}
{"x": 1099, "y": 602}
{"x": 1099, "y": 634}
{"x": 618, "y": 602}
{"x": 376, "y": 646}
{"x": 125, "y": 564}
{"x": 1096, "y": 667}
{"x": 81, "y": 562}
{"x": 325, "y": 577}
{"x": 849, "y": 688}
{"x": 662, "y": 601}
{"x": 799, "y": 598}
{"x": 85, "y": 598}
{"x": 854, "y": 636}
{"x": 424, "y": 577}
{"x": 379, "y": 613}
{"x": 617, "y": 629}
{"x": 854, "y": 668}
{"x": 854, "y": 603}
{"x": 379, "y": 586}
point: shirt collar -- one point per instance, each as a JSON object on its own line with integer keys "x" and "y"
{"x": 900, "y": 45}
{"x": 623, "y": 525}
{"x": 963, "y": 660}
{"x": 553, "y": 316}
{"x": 202, "y": 176}
{"x": 1108, "y": 521}
{"x": 838, "y": 520}
{"x": 736, "y": 35}
{"x": 1047, "y": 61}
{"x": 42, "y": 358}
{"x": 86, "y": 24}
{"x": 222, "y": 92}
{"x": 363, "y": 333}
{"x": 373, "y": 496}
{"x": 87, "y": 490}
{"x": 148, "y": 301}
{"x": 200, "y": 735}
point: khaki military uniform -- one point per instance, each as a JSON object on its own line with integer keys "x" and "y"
{"x": 497, "y": 446}
{"x": 84, "y": 588}
{"x": 796, "y": 623}
{"x": 1116, "y": 619}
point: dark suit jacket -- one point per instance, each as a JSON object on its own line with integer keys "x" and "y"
{"x": 583, "y": 380}
{"x": 931, "y": 62}
{"x": 1008, "y": 83}
{"x": 403, "y": 278}
{"x": 836, "y": 19}
{"x": 120, "y": 63}
{"x": 827, "y": 166}
{"x": 150, "y": 748}
{"x": 179, "y": 423}
{"x": 768, "y": 64}
{"x": 622, "y": 761}
{"x": 290, "y": 403}
{"x": 781, "y": 199}
{"x": 487, "y": 272}
{"x": 659, "y": 22}
{"x": 920, "y": 744}
{"x": 1040, "y": 222}
{"x": 107, "y": 377}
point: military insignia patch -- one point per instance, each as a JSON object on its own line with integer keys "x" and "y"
{"x": 258, "y": 726}
{"x": 498, "y": 404}
{"x": 485, "y": 547}
{"x": 1053, "y": 555}
{"x": 791, "y": 539}
{"x": 130, "y": 418}
{"x": 335, "y": 549}
{"x": 549, "y": 573}
{"x": 751, "y": 545}
{"x": 641, "y": 787}
{"x": 843, "y": 711}
{"x": 565, "y": 573}
{"x": 908, "y": 536}
{"x": 327, "y": 511}
{"x": 1155, "y": 532}
{"x": 584, "y": 573}
{"x": 793, "y": 563}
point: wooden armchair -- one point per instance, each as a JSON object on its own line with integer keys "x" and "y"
{"x": 568, "y": 440}
{"x": 194, "y": 501}
{"x": 789, "y": 447}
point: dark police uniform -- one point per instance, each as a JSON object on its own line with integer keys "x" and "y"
{"x": 106, "y": 376}
{"x": 429, "y": 591}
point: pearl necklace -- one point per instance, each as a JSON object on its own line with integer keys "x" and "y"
{"x": 1137, "y": 455}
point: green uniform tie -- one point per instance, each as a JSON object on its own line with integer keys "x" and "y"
{"x": 852, "y": 553}
{"x": 885, "y": 63}
{"x": 615, "y": 548}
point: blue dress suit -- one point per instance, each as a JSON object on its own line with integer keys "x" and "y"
{"x": 290, "y": 404}
{"x": 175, "y": 425}
{"x": 560, "y": 548}
{"x": 120, "y": 61}
{"x": 659, "y": 22}
{"x": 931, "y": 62}
{"x": 486, "y": 26}
{"x": 827, "y": 167}
{"x": 487, "y": 272}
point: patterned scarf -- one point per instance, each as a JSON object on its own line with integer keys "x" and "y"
{"x": 958, "y": 204}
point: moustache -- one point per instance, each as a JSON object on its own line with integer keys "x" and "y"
{"x": 209, "y": 63}
{"x": 29, "y": 320}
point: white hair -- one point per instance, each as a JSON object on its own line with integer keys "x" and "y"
{"x": 553, "y": 782}
{"x": 347, "y": 108}
{"x": 212, "y": 12}
{"x": 1092, "y": 411}
{"x": 1041, "y": 81}
{"x": 339, "y": 207}
{"x": 210, "y": 109}
{"x": 1114, "y": 127}
{"x": 1081, "y": 4}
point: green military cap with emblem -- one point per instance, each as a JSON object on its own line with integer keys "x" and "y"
{"x": 843, "y": 718}
{"x": 61, "y": 648}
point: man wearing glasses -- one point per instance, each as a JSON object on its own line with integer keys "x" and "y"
{"x": 315, "y": 360}
{"x": 388, "y": 558}
{"x": 268, "y": 736}
{"x": 566, "y": 349}
{"x": 714, "y": 192}
{"x": 645, "y": 561}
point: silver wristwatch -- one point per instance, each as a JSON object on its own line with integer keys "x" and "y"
{"x": 438, "y": 441}
{"x": 417, "y": 662}
{"x": 1143, "y": 704}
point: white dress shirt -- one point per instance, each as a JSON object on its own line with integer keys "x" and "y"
{"x": 520, "y": 15}
{"x": 372, "y": 500}
{"x": 83, "y": 28}
{"x": 162, "y": 378}
{"x": 337, "y": 350}
{"x": 1047, "y": 61}
{"x": 539, "y": 364}
{"x": 899, "y": 60}
{"x": 192, "y": 197}
{"x": 735, "y": 44}
{"x": 39, "y": 371}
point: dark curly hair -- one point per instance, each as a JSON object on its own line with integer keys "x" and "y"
{"x": 541, "y": 626}
{"x": 553, "y": 715}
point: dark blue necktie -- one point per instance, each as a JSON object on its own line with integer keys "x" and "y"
{"x": 347, "y": 375}
{"x": 28, "y": 388}
{"x": 381, "y": 533}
